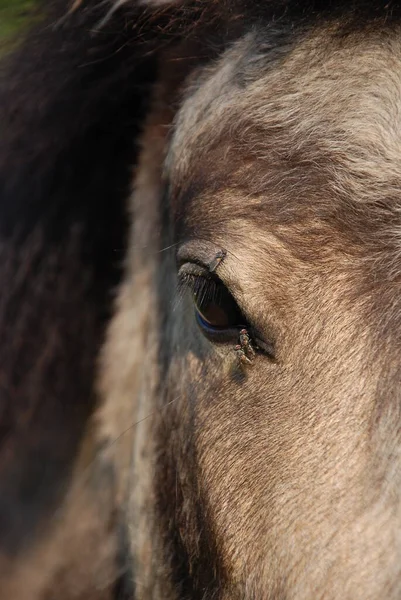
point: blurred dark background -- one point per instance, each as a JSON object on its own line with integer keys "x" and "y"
{"x": 14, "y": 16}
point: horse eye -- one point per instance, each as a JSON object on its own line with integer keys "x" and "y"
{"x": 217, "y": 313}
{"x": 216, "y": 309}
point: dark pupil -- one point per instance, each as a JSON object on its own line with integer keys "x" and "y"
{"x": 216, "y": 306}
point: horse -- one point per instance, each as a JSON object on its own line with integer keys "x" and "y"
{"x": 200, "y": 226}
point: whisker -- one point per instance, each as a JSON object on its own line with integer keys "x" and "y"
{"x": 106, "y": 448}
{"x": 168, "y": 247}
{"x": 152, "y": 414}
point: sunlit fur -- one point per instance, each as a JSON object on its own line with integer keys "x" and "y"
{"x": 283, "y": 483}
{"x": 139, "y": 459}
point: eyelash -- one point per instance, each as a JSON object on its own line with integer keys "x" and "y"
{"x": 206, "y": 288}
{"x": 210, "y": 291}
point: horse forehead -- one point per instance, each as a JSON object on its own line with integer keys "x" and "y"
{"x": 322, "y": 95}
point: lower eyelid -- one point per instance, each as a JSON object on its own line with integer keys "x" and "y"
{"x": 227, "y": 335}
{"x": 265, "y": 347}
{"x": 231, "y": 335}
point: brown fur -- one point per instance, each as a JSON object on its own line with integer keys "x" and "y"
{"x": 275, "y": 485}
{"x": 273, "y": 135}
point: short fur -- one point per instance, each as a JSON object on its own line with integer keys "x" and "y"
{"x": 272, "y": 131}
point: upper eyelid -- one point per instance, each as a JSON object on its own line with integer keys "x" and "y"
{"x": 211, "y": 260}
{"x": 205, "y": 254}
{"x": 184, "y": 279}
{"x": 185, "y": 274}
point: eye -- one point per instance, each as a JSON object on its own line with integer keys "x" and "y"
{"x": 216, "y": 311}
{"x": 215, "y": 307}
